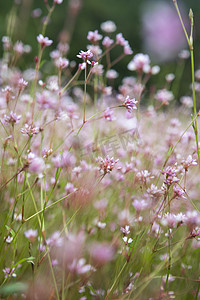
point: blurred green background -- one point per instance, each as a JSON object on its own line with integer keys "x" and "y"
{"x": 72, "y": 20}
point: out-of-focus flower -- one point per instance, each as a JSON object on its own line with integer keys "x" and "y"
{"x": 108, "y": 26}
{"x": 140, "y": 63}
{"x": 12, "y": 118}
{"x": 101, "y": 253}
{"x": 62, "y": 63}
{"x": 44, "y": 41}
{"x": 162, "y": 32}
{"x": 108, "y": 114}
{"x": 112, "y": 74}
{"x": 31, "y": 235}
{"x": 58, "y": 1}
{"x": 94, "y": 36}
{"x": 9, "y": 272}
{"x": 164, "y": 96}
{"x": 107, "y": 42}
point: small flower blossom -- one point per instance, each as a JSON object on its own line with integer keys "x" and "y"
{"x": 44, "y": 41}
{"x": 9, "y": 272}
{"x": 143, "y": 175}
{"x": 101, "y": 253}
{"x": 112, "y": 74}
{"x": 22, "y": 84}
{"x": 127, "y": 49}
{"x": 106, "y": 165}
{"x": 19, "y": 47}
{"x": 107, "y": 42}
{"x": 62, "y": 63}
{"x": 125, "y": 230}
{"x": 188, "y": 162}
{"x": 120, "y": 40}
{"x": 126, "y": 240}
{"x": 31, "y": 235}
{"x": 140, "y": 63}
{"x": 178, "y": 191}
{"x": 164, "y": 96}
{"x": 36, "y": 164}
{"x": 58, "y": 1}
{"x": 108, "y": 26}
{"x": 12, "y": 118}
{"x": 108, "y": 114}
{"x": 170, "y": 176}
{"x": 130, "y": 104}
{"x": 94, "y": 36}
{"x": 79, "y": 266}
{"x": 30, "y": 130}
{"x": 85, "y": 55}
{"x": 46, "y": 153}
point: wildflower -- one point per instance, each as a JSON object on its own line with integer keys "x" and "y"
{"x": 79, "y": 266}
{"x": 94, "y": 36}
{"x": 30, "y": 130}
{"x": 139, "y": 205}
{"x": 108, "y": 114}
{"x": 170, "y": 77}
{"x": 130, "y": 104}
{"x": 107, "y": 42}
{"x": 164, "y": 96}
{"x": 58, "y": 1}
{"x": 106, "y": 165}
{"x": 62, "y": 63}
{"x": 188, "y": 162}
{"x": 184, "y": 54}
{"x": 101, "y": 253}
{"x": 125, "y": 230}
{"x": 22, "y": 84}
{"x": 112, "y": 74}
{"x": 36, "y": 164}
{"x": 46, "y": 153}
{"x": 178, "y": 191}
{"x": 85, "y": 55}
{"x": 108, "y": 26}
{"x": 9, "y": 272}
{"x": 140, "y": 63}
{"x": 127, "y": 49}
{"x": 19, "y": 47}
{"x": 31, "y": 235}
{"x": 126, "y": 240}
{"x": 12, "y": 118}
{"x": 187, "y": 101}
{"x": 143, "y": 175}
{"x": 44, "y": 41}
{"x": 69, "y": 188}
{"x": 170, "y": 176}
{"x": 120, "y": 40}
{"x": 9, "y": 239}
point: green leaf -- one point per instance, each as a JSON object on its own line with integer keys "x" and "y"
{"x": 28, "y": 259}
{"x": 11, "y": 288}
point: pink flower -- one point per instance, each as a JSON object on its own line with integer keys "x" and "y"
{"x": 31, "y": 235}
{"x": 120, "y": 40}
{"x": 44, "y": 41}
{"x": 108, "y": 114}
{"x": 85, "y": 55}
{"x": 36, "y": 164}
{"x": 130, "y": 104}
{"x": 12, "y": 118}
{"x": 164, "y": 96}
{"x": 58, "y": 1}
{"x": 107, "y": 42}
{"x": 94, "y": 36}
{"x": 140, "y": 63}
{"x": 101, "y": 253}
{"x": 106, "y": 165}
{"x": 62, "y": 63}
